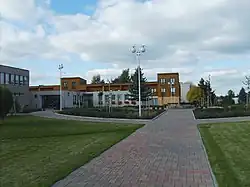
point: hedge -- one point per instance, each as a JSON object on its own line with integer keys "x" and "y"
{"x": 233, "y": 111}
{"x": 127, "y": 113}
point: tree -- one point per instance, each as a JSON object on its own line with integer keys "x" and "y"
{"x": 231, "y": 94}
{"x": 133, "y": 89}
{"x": 6, "y": 101}
{"x": 247, "y": 83}
{"x": 202, "y": 85}
{"x": 96, "y": 79}
{"x": 242, "y": 96}
{"x": 228, "y": 99}
{"x": 195, "y": 94}
{"x": 213, "y": 98}
{"x": 209, "y": 96}
{"x": 123, "y": 78}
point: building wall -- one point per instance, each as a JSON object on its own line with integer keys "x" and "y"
{"x": 67, "y": 97}
{"x": 168, "y": 88}
{"x": 185, "y": 87}
{"x": 17, "y": 81}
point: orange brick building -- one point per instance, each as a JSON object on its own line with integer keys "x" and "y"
{"x": 76, "y": 91}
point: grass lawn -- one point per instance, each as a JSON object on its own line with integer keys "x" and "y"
{"x": 38, "y": 151}
{"x": 228, "y": 148}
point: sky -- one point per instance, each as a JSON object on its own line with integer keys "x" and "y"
{"x": 196, "y": 38}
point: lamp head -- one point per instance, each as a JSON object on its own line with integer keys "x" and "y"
{"x": 133, "y": 50}
{"x": 143, "y": 49}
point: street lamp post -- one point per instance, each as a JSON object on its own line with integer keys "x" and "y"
{"x": 138, "y": 52}
{"x": 60, "y": 69}
{"x": 210, "y": 99}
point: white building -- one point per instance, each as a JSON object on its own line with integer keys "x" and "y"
{"x": 185, "y": 87}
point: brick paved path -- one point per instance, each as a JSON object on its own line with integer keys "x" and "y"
{"x": 166, "y": 152}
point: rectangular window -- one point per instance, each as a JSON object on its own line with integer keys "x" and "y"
{"x": 106, "y": 98}
{"x": 26, "y": 81}
{"x": 17, "y": 80}
{"x": 73, "y": 85}
{"x": 7, "y": 78}
{"x": 173, "y": 90}
{"x": 12, "y": 79}
{"x": 163, "y": 81}
{"x": 1, "y": 78}
{"x": 21, "y": 80}
{"x": 163, "y": 90}
{"x": 65, "y": 84}
{"x": 113, "y": 97}
{"x": 126, "y": 97}
{"x": 74, "y": 99}
{"x": 119, "y": 97}
{"x": 153, "y": 90}
{"x": 172, "y": 80}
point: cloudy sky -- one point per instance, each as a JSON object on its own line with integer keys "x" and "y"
{"x": 193, "y": 37}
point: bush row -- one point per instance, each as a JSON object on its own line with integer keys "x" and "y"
{"x": 115, "y": 113}
{"x": 235, "y": 111}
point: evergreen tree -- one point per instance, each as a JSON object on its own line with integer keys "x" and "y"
{"x": 96, "y": 79}
{"x": 123, "y": 78}
{"x": 133, "y": 89}
{"x": 242, "y": 96}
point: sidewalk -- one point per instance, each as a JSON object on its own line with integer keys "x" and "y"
{"x": 165, "y": 152}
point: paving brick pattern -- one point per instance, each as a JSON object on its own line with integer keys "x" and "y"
{"x": 166, "y": 152}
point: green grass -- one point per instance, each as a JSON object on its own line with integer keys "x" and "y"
{"x": 228, "y": 148}
{"x": 38, "y": 152}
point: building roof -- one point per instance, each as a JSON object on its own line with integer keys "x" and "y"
{"x": 13, "y": 67}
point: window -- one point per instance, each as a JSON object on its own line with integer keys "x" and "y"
{"x": 113, "y": 97}
{"x": 65, "y": 84}
{"x": 163, "y": 81}
{"x": 172, "y": 80}
{"x": 1, "y": 78}
{"x": 26, "y": 81}
{"x": 21, "y": 80}
{"x": 126, "y": 97}
{"x": 7, "y": 78}
{"x": 35, "y": 95}
{"x": 173, "y": 91}
{"x": 73, "y": 85}
{"x": 12, "y": 79}
{"x": 17, "y": 79}
{"x": 74, "y": 99}
{"x": 119, "y": 97}
{"x": 153, "y": 90}
{"x": 163, "y": 90}
{"x": 106, "y": 98}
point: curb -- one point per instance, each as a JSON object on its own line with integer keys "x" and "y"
{"x": 96, "y": 118}
{"x": 215, "y": 184}
{"x": 156, "y": 117}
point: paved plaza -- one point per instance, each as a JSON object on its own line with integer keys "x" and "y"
{"x": 165, "y": 152}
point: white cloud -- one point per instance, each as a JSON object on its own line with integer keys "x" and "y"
{"x": 180, "y": 36}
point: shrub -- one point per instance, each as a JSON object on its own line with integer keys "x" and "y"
{"x": 6, "y": 101}
{"x": 117, "y": 112}
{"x": 126, "y": 102}
{"x": 234, "y": 111}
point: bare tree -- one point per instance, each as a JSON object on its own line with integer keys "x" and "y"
{"x": 247, "y": 83}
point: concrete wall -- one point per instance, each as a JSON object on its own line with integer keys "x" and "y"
{"x": 21, "y": 91}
